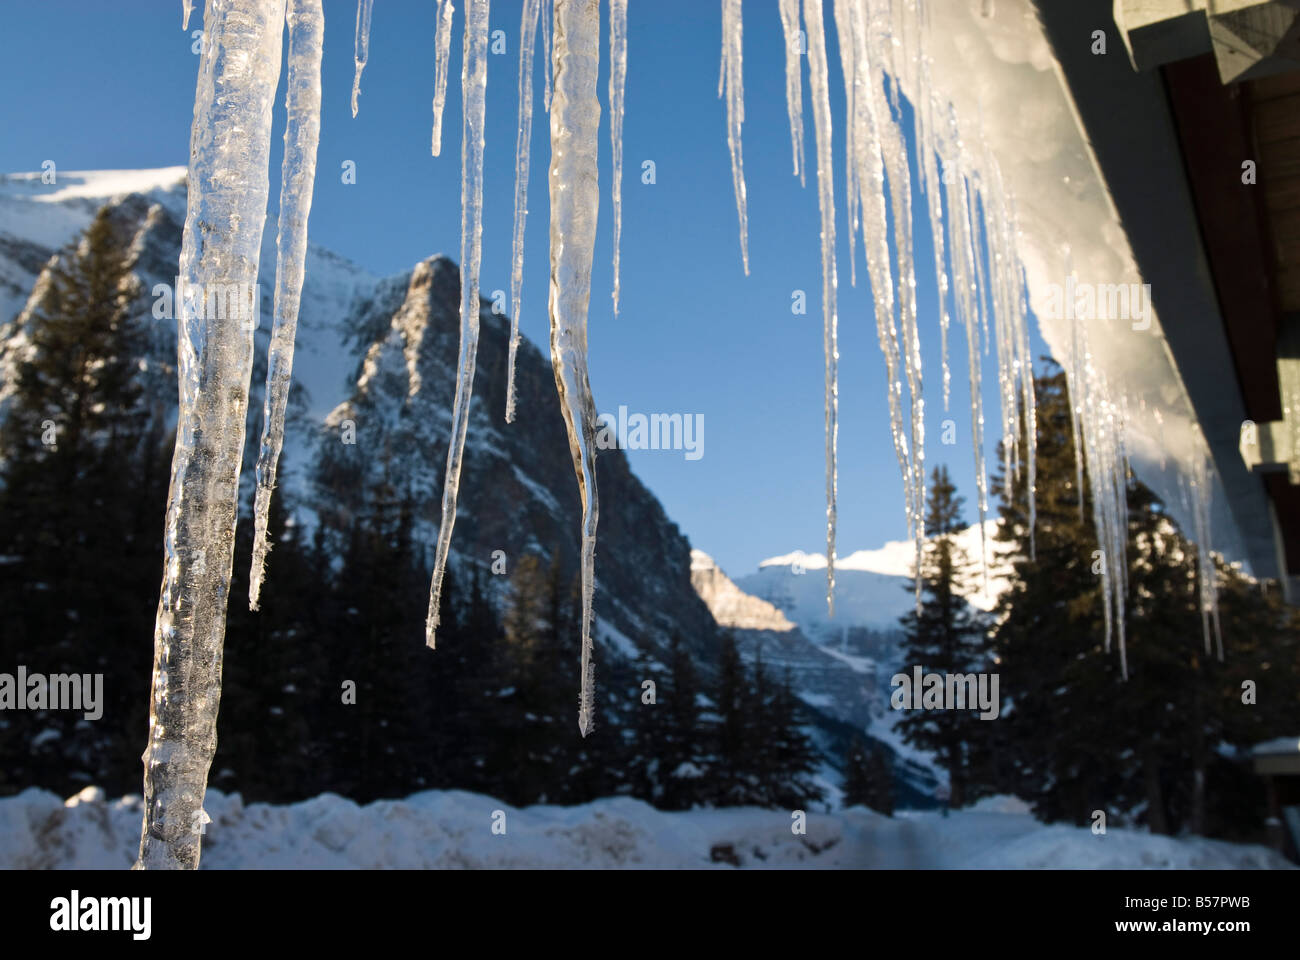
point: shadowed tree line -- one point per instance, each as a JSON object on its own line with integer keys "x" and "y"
{"x": 1164, "y": 748}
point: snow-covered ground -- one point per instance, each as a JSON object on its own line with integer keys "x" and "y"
{"x": 455, "y": 829}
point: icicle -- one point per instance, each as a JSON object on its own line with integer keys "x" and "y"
{"x": 793, "y": 75}
{"x": 1207, "y": 575}
{"x": 306, "y": 24}
{"x": 362, "y": 54}
{"x": 961, "y": 246}
{"x": 1100, "y": 420}
{"x": 843, "y": 13}
{"x": 873, "y": 203}
{"x": 230, "y": 145}
{"x": 1031, "y": 419}
{"x": 617, "y": 80}
{"x": 1074, "y": 376}
{"x": 894, "y": 154}
{"x": 187, "y": 7}
{"x": 931, "y": 187}
{"x": 548, "y": 15}
{"x": 523, "y": 141}
{"x": 731, "y": 81}
{"x": 442, "y": 57}
{"x": 820, "y": 87}
{"x": 473, "y": 84}
{"x": 575, "y": 204}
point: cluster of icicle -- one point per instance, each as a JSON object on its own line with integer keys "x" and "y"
{"x": 230, "y": 146}
{"x": 1097, "y": 423}
{"x": 883, "y": 44}
{"x": 572, "y": 66}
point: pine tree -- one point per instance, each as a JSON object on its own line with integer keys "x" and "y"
{"x": 947, "y": 636}
{"x": 647, "y": 728}
{"x": 868, "y": 781}
{"x": 532, "y": 707}
{"x": 732, "y": 784}
{"x": 1079, "y": 738}
{"x": 81, "y": 502}
{"x": 682, "y": 748}
{"x": 380, "y": 735}
{"x": 792, "y": 759}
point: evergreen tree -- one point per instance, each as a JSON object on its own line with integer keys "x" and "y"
{"x": 732, "y": 699}
{"x": 379, "y": 737}
{"x": 682, "y": 747}
{"x": 791, "y": 759}
{"x": 1149, "y": 749}
{"x": 946, "y": 636}
{"x": 868, "y": 781}
{"x": 648, "y": 723}
{"x": 81, "y": 505}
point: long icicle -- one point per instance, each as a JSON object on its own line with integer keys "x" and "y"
{"x": 575, "y": 205}
{"x": 894, "y": 154}
{"x": 523, "y": 143}
{"x": 1206, "y": 574}
{"x": 925, "y": 117}
{"x": 362, "y": 52}
{"x": 473, "y": 83}
{"x": 843, "y": 13}
{"x": 230, "y": 144}
{"x": 548, "y": 16}
{"x": 875, "y": 227}
{"x": 793, "y": 81}
{"x": 962, "y": 252}
{"x": 442, "y": 57}
{"x": 820, "y": 86}
{"x": 617, "y": 83}
{"x": 306, "y": 25}
{"x": 187, "y": 7}
{"x": 731, "y": 82}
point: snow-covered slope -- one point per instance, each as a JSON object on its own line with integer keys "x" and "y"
{"x": 441, "y": 829}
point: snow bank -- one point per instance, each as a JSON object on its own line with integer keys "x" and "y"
{"x": 454, "y": 829}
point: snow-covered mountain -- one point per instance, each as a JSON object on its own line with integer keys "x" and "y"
{"x": 842, "y": 665}
{"x": 381, "y": 352}
{"x": 872, "y": 587}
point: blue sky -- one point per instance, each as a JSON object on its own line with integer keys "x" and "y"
{"x": 95, "y": 85}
